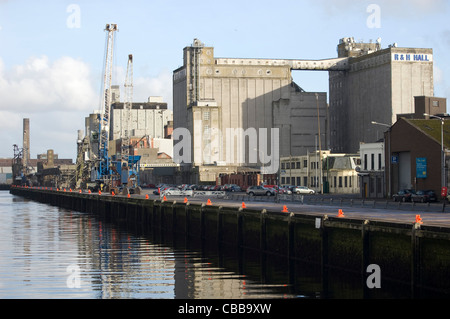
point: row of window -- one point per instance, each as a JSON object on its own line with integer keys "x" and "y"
{"x": 372, "y": 162}
{"x": 297, "y": 165}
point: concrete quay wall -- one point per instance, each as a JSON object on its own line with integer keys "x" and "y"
{"x": 411, "y": 255}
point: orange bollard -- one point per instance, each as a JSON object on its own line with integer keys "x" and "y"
{"x": 99, "y": 192}
{"x": 418, "y": 219}
{"x": 89, "y": 191}
{"x": 146, "y": 196}
{"x": 113, "y": 194}
{"x": 185, "y": 200}
{"x": 243, "y": 205}
{"x": 341, "y": 213}
{"x": 128, "y": 195}
{"x": 285, "y": 209}
{"x": 164, "y": 198}
{"x": 80, "y": 191}
{"x": 208, "y": 202}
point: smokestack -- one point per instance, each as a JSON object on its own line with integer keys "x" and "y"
{"x": 26, "y": 142}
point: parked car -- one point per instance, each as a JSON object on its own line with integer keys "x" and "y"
{"x": 303, "y": 190}
{"x": 424, "y": 196}
{"x": 231, "y": 188}
{"x": 403, "y": 195}
{"x": 285, "y": 190}
{"x": 260, "y": 190}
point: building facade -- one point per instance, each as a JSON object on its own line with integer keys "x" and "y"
{"x": 322, "y": 171}
{"x": 378, "y": 85}
{"x": 242, "y": 112}
{"x": 372, "y": 170}
{"x": 416, "y": 155}
{"x": 146, "y": 119}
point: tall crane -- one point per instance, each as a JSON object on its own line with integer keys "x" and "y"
{"x": 103, "y": 168}
{"x": 127, "y": 108}
{"x": 129, "y": 168}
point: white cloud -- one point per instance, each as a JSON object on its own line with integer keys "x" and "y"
{"x": 57, "y": 96}
{"x": 41, "y": 86}
{"x": 158, "y": 86}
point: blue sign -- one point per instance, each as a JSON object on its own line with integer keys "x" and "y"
{"x": 421, "y": 167}
{"x": 394, "y": 159}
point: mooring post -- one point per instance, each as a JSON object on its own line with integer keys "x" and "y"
{"x": 365, "y": 238}
{"x": 415, "y": 258}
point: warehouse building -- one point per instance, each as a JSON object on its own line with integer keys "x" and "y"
{"x": 378, "y": 85}
{"x": 243, "y": 113}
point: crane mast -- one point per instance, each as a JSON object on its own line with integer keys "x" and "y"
{"x": 104, "y": 116}
{"x": 127, "y": 108}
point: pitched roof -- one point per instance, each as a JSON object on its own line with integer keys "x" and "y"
{"x": 432, "y": 128}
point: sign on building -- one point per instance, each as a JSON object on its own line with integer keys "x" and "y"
{"x": 421, "y": 167}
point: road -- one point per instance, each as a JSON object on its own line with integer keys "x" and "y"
{"x": 407, "y": 213}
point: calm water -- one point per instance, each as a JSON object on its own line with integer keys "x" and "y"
{"x": 48, "y": 252}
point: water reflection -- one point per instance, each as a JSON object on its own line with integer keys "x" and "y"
{"x": 42, "y": 245}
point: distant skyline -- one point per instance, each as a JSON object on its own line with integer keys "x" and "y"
{"x": 52, "y": 52}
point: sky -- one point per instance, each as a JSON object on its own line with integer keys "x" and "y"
{"x": 52, "y": 52}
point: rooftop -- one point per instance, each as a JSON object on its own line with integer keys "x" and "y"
{"x": 432, "y": 128}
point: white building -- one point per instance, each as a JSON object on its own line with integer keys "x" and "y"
{"x": 371, "y": 174}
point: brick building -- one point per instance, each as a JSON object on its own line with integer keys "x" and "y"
{"x": 415, "y": 158}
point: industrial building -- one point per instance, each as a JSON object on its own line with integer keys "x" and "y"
{"x": 146, "y": 119}
{"x": 244, "y": 112}
{"x": 150, "y": 129}
{"x": 417, "y": 159}
{"x": 377, "y": 85}
{"x": 47, "y": 170}
{"x": 379, "y": 174}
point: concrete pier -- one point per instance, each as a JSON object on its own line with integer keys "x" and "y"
{"x": 411, "y": 255}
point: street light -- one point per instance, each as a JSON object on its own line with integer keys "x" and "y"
{"x": 442, "y": 147}
{"x": 389, "y": 153}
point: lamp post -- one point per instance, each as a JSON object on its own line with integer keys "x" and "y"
{"x": 443, "y": 183}
{"x": 389, "y": 153}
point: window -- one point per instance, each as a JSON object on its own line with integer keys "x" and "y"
{"x": 305, "y": 181}
{"x": 206, "y": 116}
{"x": 206, "y": 131}
{"x": 340, "y": 181}
{"x": 283, "y": 181}
{"x": 345, "y": 181}
{"x": 436, "y": 103}
{"x": 335, "y": 184}
{"x": 288, "y": 165}
{"x": 299, "y": 181}
{"x": 365, "y": 162}
{"x": 379, "y": 161}
{"x": 305, "y": 163}
{"x": 372, "y": 162}
{"x": 288, "y": 180}
{"x": 282, "y": 166}
{"x": 297, "y": 165}
{"x": 350, "y": 181}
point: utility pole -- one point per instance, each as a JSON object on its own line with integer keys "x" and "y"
{"x": 320, "y": 146}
